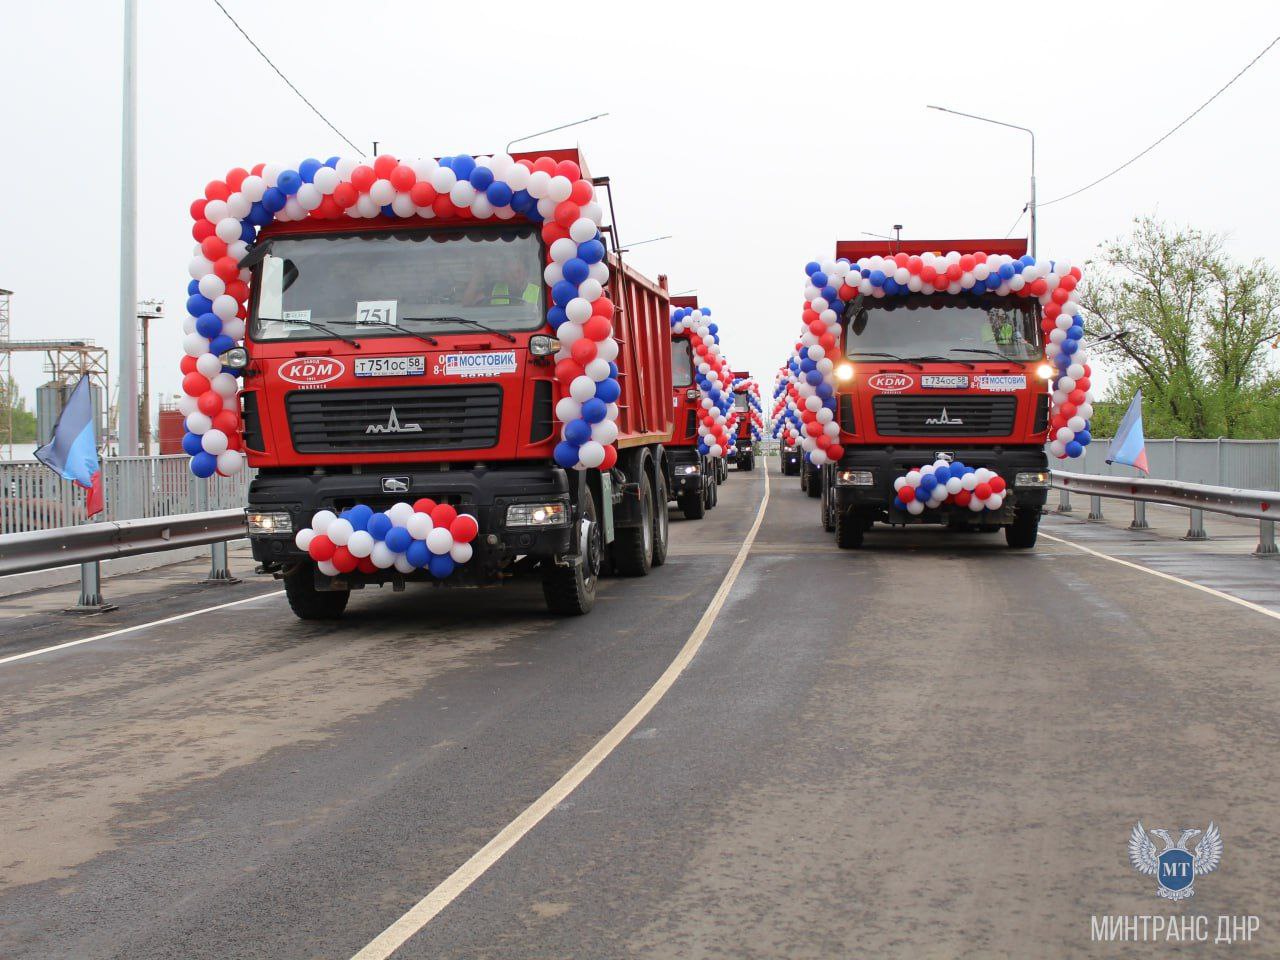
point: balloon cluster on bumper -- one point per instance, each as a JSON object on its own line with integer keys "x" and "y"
{"x": 712, "y": 376}
{"x": 462, "y": 188}
{"x": 932, "y": 485}
{"x": 831, "y": 284}
{"x": 420, "y": 536}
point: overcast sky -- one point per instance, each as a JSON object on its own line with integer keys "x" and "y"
{"x": 755, "y": 134}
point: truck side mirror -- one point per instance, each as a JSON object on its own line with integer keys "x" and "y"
{"x": 271, "y": 288}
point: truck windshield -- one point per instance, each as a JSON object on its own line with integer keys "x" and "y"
{"x": 962, "y": 327}
{"x": 740, "y": 402}
{"x": 430, "y": 282}
{"x": 681, "y": 365}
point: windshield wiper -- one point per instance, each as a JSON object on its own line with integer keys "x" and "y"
{"x": 321, "y": 327}
{"x": 963, "y": 363}
{"x": 425, "y": 338}
{"x": 475, "y": 323}
{"x": 995, "y": 353}
{"x": 889, "y": 356}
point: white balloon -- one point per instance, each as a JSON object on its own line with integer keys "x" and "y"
{"x": 403, "y": 565}
{"x": 382, "y": 192}
{"x": 568, "y": 410}
{"x": 440, "y": 540}
{"x": 302, "y": 540}
{"x": 597, "y": 370}
{"x": 214, "y": 441}
{"x": 539, "y": 184}
{"x": 461, "y": 552}
{"x": 582, "y": 389}
{"x": 327, "y": 568}
{"x": 563, "y": 250}
{"x": 198, "y": 423}
{"x": 560, "y": 188}
{"x": 208, "y": 365}
{"x": 419, "y": 526}
{"x": 583, "y": 230}
{"x": 400, "y": 513}
{"x": 233, "y": 328}
{"x": 194, "y": 345}
{"x": 590, "y": 290}
{"x": 340, "y": 531}
{"x": 216, "y": 211}
{"x": 225, "y": 306}
{"x": 382, "y": 556}
{"x": 326, "y": 180}
{"x": 402, "y": 205}
{"x": 605, "y": 432}
{"x": 552, "y": 273}
{"x": 591, "y": 454}
{"x": 915, "y": 507}
{"x": 320, "y": 522}
{"x": 360, "y": 543}
{"x": 607, "y": 349}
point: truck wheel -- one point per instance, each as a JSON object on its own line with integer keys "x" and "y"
{"x": 804, "y": 477}
{"x": 633, "y": 546}
{"x": 571, "y": 590}
{"x": 814, "y": 487}
{"x": 828, "y": 509}
{"x": 693, "y": 505}
{"x": 713, "y": 495}
{"x": 306, "y": 601}
{"x": 661, "y": 521}
{"x": 1021, "y": 534}
{"x": 849, "y": 528}
{"x": 747, "y": 462}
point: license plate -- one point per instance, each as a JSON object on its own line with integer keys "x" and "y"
{"x": 391, "y": 366}
{"x": 948, "y": 381}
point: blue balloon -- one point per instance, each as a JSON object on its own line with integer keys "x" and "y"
{"x": 608, "y": 391}
{"x": 248, "y": 233}
{"x": 556, "y": 316}
{"x": 221, "y": 344}
{"x": 360, "y": 515}
{"x": 463, "y": 166}
{"x": 307, "y": 169}
{"x": 499, "y": 194}
{"x": 522, "y": 202}
{"x": 204, "y": 464}
{"x": 1006, "y": 271}
{"x": 1074, "y": 449}
{"x": 563, "y": 292}
{"x": 441, "y": 566}
{"x": 593, "y": 411}
{"x": 332, "y": 162}
{"x": 591, "y": 251}
{"x": 1070, "y": 346}
{"x": 193, "y": 288}
{"x": 577, "y": 432}
{"x": 892, "y": 286}
{"x": 928, "y": 481}
{"x": 418, "y": 554}
{"x": 398, "y": 539}
{"x": 198, "y": 303}
{"x": 812, "y": 267}
{"x": 1075, "y": 333}
{"x": 613, "y": 370}
{"x": 818, "y": 279}
{"x": 289, "y": 181}
{"x": 824, "y": 391}
{"x": 566, "y": 454}
{"x": 532, "y": 214}
{"x": 259, "y": 215}
{"x": 1084, "y": 438}
{"x": 877, "y": 278}
{"x": 208, "y": 325}
{"x": 576, "y": 270}
{"x": 191, "y": 445}
{"x": 481, "y": 178}
{"x": 942, "y": 474}
{"x": 389, "y": 211}
{"x": 829, "y": 293}
{"x": 379, "y": 526}
{"x": 813, "y": 378}
{"x": 899, "y": 504}
{"x": 273, "y": 200}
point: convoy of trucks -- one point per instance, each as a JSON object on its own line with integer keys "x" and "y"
{"x": 453, "y": 344}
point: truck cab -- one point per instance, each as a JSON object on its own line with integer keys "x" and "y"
{"x": 694, "y": 477}
{"x": 745, "y": 427}
{"x": 938, "y": 378}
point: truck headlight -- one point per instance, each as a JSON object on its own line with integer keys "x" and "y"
{"x": 1038, "y": 478}
{"x": 855, "y": 478}
{"x": 555, "y": 513}
{"x": 844, "y": 372}
{"x": 236, "y": 358}
{"x": 543, "y": 346}
{"x": 268, "y": 523}
{"x": 689, "y": 469}
{"x": 1045, "y": 371}
{"x": 691, "y": 394}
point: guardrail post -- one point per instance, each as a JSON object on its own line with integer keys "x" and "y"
{"x": 1196, "y": 530}
{"x": 219, "y": 567}
{"x": 1095, "y": 508}
{"x": 91, "y": 590}
{"x": 1064, "y": 500}
{"x": 1266, "y": 539}
{"x": 1139, "y": 516}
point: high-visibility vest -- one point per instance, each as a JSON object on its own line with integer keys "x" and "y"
{"x": 502, "y": 294}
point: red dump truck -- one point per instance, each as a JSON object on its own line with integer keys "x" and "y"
{"x": 694, "y": 474}
{"x": 746, "y": 421}
{"x": 930, "y": 387}
{"x": 419, "y": 353}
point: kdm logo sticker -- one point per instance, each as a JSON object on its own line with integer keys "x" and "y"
{"x": 891, "y": 382}
{"x": 312, "y": 371}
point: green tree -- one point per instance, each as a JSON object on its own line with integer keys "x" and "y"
{"x": 12, "y": 403}
{"x": 1191, "y": 327}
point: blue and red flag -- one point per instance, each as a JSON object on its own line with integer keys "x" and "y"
{"x": 72, "y": 453}
{"x": 1130, "y": 446}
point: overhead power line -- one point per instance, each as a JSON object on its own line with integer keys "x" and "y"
{"x": 1184, "y": 122}
{"x": 313, "y": 107}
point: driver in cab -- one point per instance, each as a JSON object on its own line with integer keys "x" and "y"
{"x": 513, "y": 287}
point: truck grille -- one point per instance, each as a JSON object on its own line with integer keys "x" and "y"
{"x": 464, "y": 417}
{"x": 969, "y": 416}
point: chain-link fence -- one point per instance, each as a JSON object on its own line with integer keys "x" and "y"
{"x": 33, "y": 497}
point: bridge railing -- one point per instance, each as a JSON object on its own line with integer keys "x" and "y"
{"x": 1244, "y": 464}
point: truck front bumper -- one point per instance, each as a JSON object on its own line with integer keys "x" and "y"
{"x": 886, "y": 464}
{"x": 687, "y": 472}
{"x": 485, "y": 494}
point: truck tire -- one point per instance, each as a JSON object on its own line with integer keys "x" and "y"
{"x": 306, "y": 601}
{"x": 693, "y": 505}
{"x": 828, "y": 511}
{"x": 746, "y": 462}
{"x": 713, "y": 495}
{"x": 661, "y": 520}
{"x": 1021, "y": 534}
{"x": 633, "y": 546}
{"x": 804, "y": 476}
{"x": 848, "y": 528}
{"x": 571, "y": 591}
{"x": 814, "y": 486}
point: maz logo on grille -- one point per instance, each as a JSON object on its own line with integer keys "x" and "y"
{"x": 944, "y": 420}
{"x": 393, "y": 425}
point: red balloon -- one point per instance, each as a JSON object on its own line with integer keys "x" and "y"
{"x": 597, "y": 328}
{"x": 225, "y": 420}
{"x": 982, "y": 491}
{"x": 835, "y": 451}
{"x": 603, "y": 307}
{"x": 823, "y": 441}
{"x": 567, "y": 213}
{"x": 584, "y": 351}
{"x": 610, "y": 458}
{"x": 343, "y": 559}
{"x": 1038, "y": 287}
{"x": 366, "y": 565}
{"x": 187, "y": 364}
{"x": 321, "y": 547}
{"x": 197, "y": 208}
{"x": 914, "y": 265}
{"x": 1052, "y": 310}
{"x": 345, "y": 195}
{"x": 809, "y": 316}
{"x": 928, "y": 273}
{"x": 195, "y": 384}
{"x": 568, "y": 370}
{"x": 235, "y": 177}
{"x": 1068, "y": 410}
{"x": 201, "y": 229}
{"x": 568, "y": 169}
{"x": 582, "y": 192}
{"x": 1084, "y": 384}
{"x": 1076, "y": 396}
{"x": 423, "y": 194}
{"x": 901, "y": 259}
{"x": 217, "y": 190}
{"x": 226, "y": 268}
{"x": 210, "y": 402}
{"x": 383, "y": 164}
{"x": 847, "y": 292}
{"x": 545, "y": 164}
{"x": 967, "y": 263}
{"x": 443, "y": 515}
{"x": 942, "y": 281}
{"x": 907, "y": 493}
{"x": 464, "y": 528}
{"x": 403, "y": 178}
{"x": 1059, "y": 295}
{"x": 954, "y": 271}
{"x": 444, "y": 207}
{"x": 233, "y": 438}
{"x": 813, "y": 428}
{"x": 257, "y": 169}
{"x": 362, "y": 178}
{"x": 997, "y": 484}
{"x": 1058, "y": 422}
{"x": 827, "y": 341}
{"x": 213, "y": 247}
{"x": 817, "y": 328}
{"x": 1068, "y": 282}
{"x": 238, "y": 290}
{"x": 962, "y": 498}
{"x": 425, "y": 505}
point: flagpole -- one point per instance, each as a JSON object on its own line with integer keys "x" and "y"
{"x": 127, "y": 410}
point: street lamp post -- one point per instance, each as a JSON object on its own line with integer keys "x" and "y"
{"x": 1031, "y": 206}
{"x": 127, "y": 411}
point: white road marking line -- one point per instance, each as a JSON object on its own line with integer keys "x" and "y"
{"x": 1257, "y": 608}
{"x": 453, "y": 886}
{"x": 140, "y": 626}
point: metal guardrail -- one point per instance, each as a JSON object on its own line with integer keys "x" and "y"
{"x": 90, "y": 543}
{"x": 1260, "y": 505}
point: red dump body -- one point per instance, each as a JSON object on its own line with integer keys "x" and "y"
{"x": 314, "y": 402}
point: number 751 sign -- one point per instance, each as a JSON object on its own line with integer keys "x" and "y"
{"x": 376, "y": 311}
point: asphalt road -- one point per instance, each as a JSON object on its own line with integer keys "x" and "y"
{"x": 932, "y": 747}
